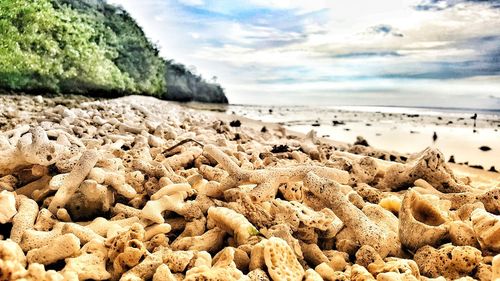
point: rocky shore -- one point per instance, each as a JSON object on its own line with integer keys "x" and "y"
{"x": 141, "y": 189}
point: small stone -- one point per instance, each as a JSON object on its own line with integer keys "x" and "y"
{"x": 235, "y": 123}
{"x": 484, "y": 148}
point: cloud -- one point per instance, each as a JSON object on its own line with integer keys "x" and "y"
{"x": 438, "y": 5}
{"x": 385, "y": 29}
{"x": 368, "y": 54}
{"x": 307, "y": 46}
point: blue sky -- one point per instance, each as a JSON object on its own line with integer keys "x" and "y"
{"x": 396, "y": 52}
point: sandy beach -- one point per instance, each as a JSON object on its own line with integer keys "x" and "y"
{"x": 405, "y": 130}
{"x": 136, "y": 188}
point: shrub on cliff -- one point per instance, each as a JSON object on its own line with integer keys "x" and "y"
{"x": 86, "y": 47}
{"x": 54, "y": 50}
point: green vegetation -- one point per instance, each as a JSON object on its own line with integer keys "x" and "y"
{"x": 87, "y": 47}
{"x": 183, "y": 85}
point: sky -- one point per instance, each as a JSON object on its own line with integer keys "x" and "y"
{"x": 443, "y": 53}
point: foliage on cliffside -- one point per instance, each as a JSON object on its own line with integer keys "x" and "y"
{"x": 183, "y": 85}
{"x": 86, "y": 47}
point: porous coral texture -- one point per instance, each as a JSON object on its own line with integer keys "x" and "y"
{"x": 140, "y": 189}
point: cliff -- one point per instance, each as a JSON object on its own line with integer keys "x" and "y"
{"x": 88, "y": 47}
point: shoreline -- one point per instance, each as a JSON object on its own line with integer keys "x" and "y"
{"x": 222, "y": 111}
{"x": 405, "y": 133}
{"x": 480, "y": 176}
{"x": 377, "y": 108}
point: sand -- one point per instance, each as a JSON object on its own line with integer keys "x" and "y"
{"x": 390, "y": 128}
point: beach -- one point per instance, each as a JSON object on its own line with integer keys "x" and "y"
{"x": 136, "y": 188}
{"x": 401, "y": 129}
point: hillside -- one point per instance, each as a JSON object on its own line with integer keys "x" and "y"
{"x": 88, "y": 47}
{"x": 182, "y": 85}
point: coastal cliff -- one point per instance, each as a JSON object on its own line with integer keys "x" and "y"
{"x": 183, "y": 85}
{"x": 88, "y": 47}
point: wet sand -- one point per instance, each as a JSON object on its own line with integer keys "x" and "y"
{"x": 399, "y": 132}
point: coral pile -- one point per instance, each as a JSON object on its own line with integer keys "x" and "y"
{"x": 136, "y": 189}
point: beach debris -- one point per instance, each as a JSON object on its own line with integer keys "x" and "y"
{"x": 428, "y": 165}
{"x": 281, "y": 261}
{"x": 495, "y": 268}
{"x": 457, "y": 200}
{"x": 232, "y": 222}
{"x": 422, "y": 221}
{"x": 7, "y": 206}
{"x": 24, "y": 218}
{"x": 62, "y": 247}
{"x": 235, "y": 123}
{"x": 135, "y": 189}
{"x": 477, "y": 167}
{"x": 452, "y": 159}
{"x": 267, "y": 180}
{"x": 451, "y": 262}
{"x": 361, "y": 141}
{"x": 280, "y": 148}
{"x": 364, "y": 230}
{"x": 487, "y": 229}
{"x": 484, "y": 148}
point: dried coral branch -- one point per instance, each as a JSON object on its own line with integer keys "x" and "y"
{"x": 236, "y": 224}
{"x": 267, "y": 180}
{"x": 365, "y": 231}
{"x": 430, "y": 166}
{"x": 24, "y": 219}
{"x": 71, "y": 183}
{"x": 7, "y": 206}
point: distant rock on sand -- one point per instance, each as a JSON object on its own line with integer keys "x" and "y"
{"x": 361, "y": 141}
{"x": 452, "y": 159}
{"x": 484, "y": 148}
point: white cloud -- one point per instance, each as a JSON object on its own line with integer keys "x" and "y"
{"x": 257, "y": 44}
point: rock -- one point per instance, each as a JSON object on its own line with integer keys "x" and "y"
{"x": 361, "y": 141}
{"x": 452, "y": 159}
{"x": 235, "y": 123}
{"x": 280, "y": 148}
